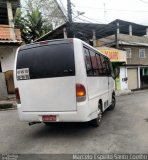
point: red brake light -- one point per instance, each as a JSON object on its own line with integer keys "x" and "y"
{"x": 80, "y": 92}
{"x": 43, "y": 42}
{"x": 17, "y": 94}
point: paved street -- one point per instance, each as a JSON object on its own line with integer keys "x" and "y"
{"x": 124, "y": 130}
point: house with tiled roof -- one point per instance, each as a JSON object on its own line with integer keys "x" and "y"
{"x": 10, "y": 40}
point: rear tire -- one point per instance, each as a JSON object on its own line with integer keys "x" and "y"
{"x": 96, "y": 122}
{"x": 112, "y": 106}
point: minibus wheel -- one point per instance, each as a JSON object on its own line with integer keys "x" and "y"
{"x": 96, "y": 122}
{"x": 112, "y": 106}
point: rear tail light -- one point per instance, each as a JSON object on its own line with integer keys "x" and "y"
{"x": 80, "y": 93}
{"x": 17, "y": 94}
{"x": 43, "y": 42}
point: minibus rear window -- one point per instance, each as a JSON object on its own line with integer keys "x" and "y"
{"x": 47, "y": 61}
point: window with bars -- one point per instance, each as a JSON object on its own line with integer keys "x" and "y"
{"x": 141, "y": 53}
{"x": 128, "y": 52}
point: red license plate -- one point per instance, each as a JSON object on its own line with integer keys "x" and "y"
{"x": 49, "y": 118}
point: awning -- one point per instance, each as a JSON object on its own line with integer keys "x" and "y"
{"x": 115, "y": 55}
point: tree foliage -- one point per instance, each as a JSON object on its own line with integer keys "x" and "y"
{"x": 50, "y": 10}
{"x": 31, "y": 23}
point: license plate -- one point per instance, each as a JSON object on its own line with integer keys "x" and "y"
{"x": 49, "y": 118}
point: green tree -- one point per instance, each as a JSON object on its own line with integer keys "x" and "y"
{"x": 20, "y": 23}
{"x": 32, "y": 25}
{"x": 35, "y": 24}
{"x": 50, "y": 9}
{"x": 36, "y": 17}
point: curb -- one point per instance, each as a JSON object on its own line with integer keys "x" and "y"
{"x": 7, "y": 106}
{"x": 131, "y": 92}
{"x": 124, "y": 92}
{"x": 8, "y": 109}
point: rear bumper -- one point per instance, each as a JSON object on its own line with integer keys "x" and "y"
{"x": 83, "y": 114}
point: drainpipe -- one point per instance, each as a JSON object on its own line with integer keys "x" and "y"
{"x": 10, "y": 19}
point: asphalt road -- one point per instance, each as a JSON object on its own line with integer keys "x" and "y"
{"x": 124, "y": 130}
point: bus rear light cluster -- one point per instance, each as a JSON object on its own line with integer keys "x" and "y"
{"x": 80, "y": 93}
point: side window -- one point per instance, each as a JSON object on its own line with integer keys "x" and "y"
{"x": 104, "y": 67}
{"x": 129, "y": 53}
{"x": 94, "y": 63}
{"x": 88, "y": 63}
{"x": 108, "y": 67}
{"x": 99, "y": 64}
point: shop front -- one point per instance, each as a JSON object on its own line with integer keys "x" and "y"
{"x": 118, "y": 59}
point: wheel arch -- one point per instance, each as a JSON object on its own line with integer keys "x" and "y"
{"x": 100, "y": 102}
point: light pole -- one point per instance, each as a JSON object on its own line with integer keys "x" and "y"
{"x": 70, "y": 25}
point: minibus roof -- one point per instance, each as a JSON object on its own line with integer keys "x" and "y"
{"x": 56, "y": 41}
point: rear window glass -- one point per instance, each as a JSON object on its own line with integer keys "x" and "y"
{"x": 47, "y": 61}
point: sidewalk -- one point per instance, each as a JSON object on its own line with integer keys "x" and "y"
{"x": 127, "y": 92}
{"x": 124, "y": 92}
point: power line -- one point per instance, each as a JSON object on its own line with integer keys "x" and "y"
{"x": 92, "y": 19}
{"x": 118, "y": 10}
{"x": 63, "y": 8}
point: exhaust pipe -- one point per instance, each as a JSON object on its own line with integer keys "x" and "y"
{"x": 32, "y": 123}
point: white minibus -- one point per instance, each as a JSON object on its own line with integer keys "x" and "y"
{"x": 64, "y": 80}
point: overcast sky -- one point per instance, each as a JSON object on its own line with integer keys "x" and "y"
{"x": 105, "y": 11}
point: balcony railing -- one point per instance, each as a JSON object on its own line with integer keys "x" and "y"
{"x": 8, "y": 33}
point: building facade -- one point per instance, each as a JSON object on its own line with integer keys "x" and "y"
{"x": 136, "y": 48}
{"x": 10, "y": 40}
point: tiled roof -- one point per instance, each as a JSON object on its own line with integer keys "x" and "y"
{"x": 7, "y": 34}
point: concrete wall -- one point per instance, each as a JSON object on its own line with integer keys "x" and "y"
{"x": 135, "y": 55}
{"x": 7, "y": 56}
{"x": 3, "y": 88}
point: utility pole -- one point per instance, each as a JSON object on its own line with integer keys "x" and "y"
{"x": 116, "y": 35}
{"x": 70, "y": 23}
